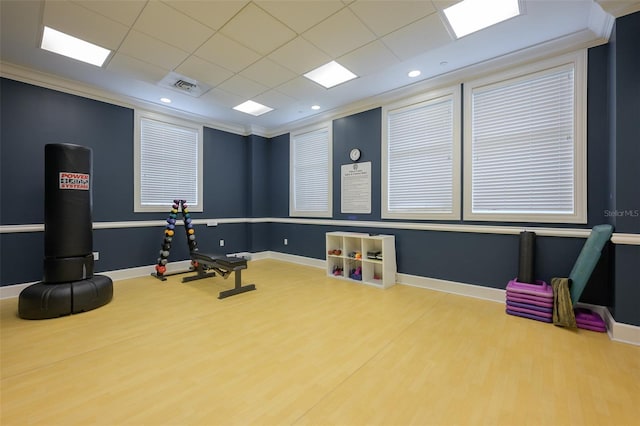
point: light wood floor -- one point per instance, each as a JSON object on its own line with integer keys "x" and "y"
{"x": 305, "y": 349}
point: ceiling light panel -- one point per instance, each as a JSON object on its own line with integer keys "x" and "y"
{"x": 71, "y": 18}
{"x": 470, "y": 16}
{"x": 72, "y": 47}
{"x": 330, "y": 74}
{"x": 253, "y": 108}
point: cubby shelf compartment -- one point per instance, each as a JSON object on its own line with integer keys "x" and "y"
{"x": 375, "y": 255}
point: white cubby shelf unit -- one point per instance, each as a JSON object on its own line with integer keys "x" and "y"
{"x": 374, "y": 256}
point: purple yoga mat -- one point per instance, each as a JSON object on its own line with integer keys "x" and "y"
{"x": 521, "y": 298}
{"x": 531, "y": 312}
{"x": 528, "y": 306}
{"x": 541, "y": 289}
{"x": 589, "y": 320}
{"x": 525, "y": 315}
{"x": 592, "y": 327}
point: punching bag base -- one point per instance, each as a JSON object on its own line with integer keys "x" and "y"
{"x": 45, "y": 301}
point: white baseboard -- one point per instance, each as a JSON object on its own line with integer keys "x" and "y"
{"x": 470, "y": 290}
{"x": 619, "y": 332}
{"x": 292, "y": 258}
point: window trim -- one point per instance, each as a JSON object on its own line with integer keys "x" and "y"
{"x": 137, "y": 167}
{"x": 292, "y": 210}
{"x": 453, "y": 92}
{"x": 579, "y": 62}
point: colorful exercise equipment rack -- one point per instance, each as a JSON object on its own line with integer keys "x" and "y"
{"x": 169, "y": 232}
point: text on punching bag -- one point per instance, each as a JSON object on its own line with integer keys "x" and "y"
{"x": 69, "y": 180}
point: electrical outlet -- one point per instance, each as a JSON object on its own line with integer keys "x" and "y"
{"x": 221, "y": 243}
{"x": 286, "y": 241}
{"x": 96, "y": 255}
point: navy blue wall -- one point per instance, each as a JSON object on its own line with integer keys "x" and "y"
{"x": 624, "y": 84}
{"x": 361, "y": 131}
{"x": 34, "y": 116}
{"x": 249, "y": 177}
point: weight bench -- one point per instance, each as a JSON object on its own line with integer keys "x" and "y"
{"x": 223, "y": 265}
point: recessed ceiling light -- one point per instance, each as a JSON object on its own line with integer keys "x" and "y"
{"x": 315, "y": 107}
{"x": 253, "y": 108}
{"x": 165, "y": 100}
{"x": 414, "y": 73}
{"x": 72, "y": 47}
{"x": 470, "y": 16}
{"x": 330, "y": 74}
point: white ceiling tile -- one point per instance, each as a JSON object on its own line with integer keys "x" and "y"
{"x": 125, "y": 12}
{"x": 267, "y": 73}
{"x": 302, "y": 88}
{"x": 274, "y": 99}
{"x": 369, "y": 59}
{"x": 201, "y": 70}
{"x": 340, "y": 33}
{"x": 242, "y": 86}
{"x": 300, "y": 56}
{"x": 151, "y": 50}
{"x": 213, "y": 14}
{"x": 443, "y": 4}
{"x": 301, "y": 15}
{"x": 345, "y": 31}
{"x": 426, "y": 34}
{"x": 221, "y": 97}
{"x": 132, "y": 67}
{"x": 255, "y": 28}
{"x": 83, "y": 23}
{"x": 383, "y": 17}
{"x": 172, "y": 27}
{"x": 227, "y": 53}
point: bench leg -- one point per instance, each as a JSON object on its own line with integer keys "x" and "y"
{"x": 239, "y": 288}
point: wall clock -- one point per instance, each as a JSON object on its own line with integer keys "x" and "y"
{"x": 355, "y": 154}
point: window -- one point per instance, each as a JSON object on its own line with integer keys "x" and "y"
{"x": 168, "y": 163}
{"x": 421, "y": 157}
{"x": 525, "y": 144}
{"x": 310, "y": 174}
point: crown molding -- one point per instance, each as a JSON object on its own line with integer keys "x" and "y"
{"x": 49, "y": 81}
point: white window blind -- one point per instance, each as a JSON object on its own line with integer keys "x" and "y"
{"x": 421, "y": 160}
{"x": 169, "y": 165}
{"x": 311, "y": 172}
{"x": 523, "y": 145}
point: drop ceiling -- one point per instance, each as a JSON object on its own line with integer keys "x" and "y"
{"x": 259, "y": 50}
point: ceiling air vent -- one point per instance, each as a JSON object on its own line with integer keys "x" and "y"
{"x": 184, "y": 84}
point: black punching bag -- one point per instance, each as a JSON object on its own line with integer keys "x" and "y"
{"x": 527, "y": 257}
{"x": 69, "y": 286}
{"x": 68, "y": 233}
